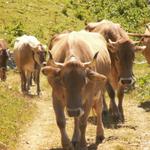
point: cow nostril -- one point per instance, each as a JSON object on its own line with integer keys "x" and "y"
{"x": 75, "y": 112}
{"x": 44, "y": 63}
{"x": 127, "y": 81}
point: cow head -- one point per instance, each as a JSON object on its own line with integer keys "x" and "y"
{"x": 122, "y": 55}
{"x": 40, "y": 54}
{"x": 73, "y": 76}
{"x": 3, "y": 63}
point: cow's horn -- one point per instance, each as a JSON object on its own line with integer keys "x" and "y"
{"x": 136, "y": 42}
{"x": 139, "y": 35}
{"x": 91, "y": 63}
{"x": 52, "y": 62}
{"x": 50, "y": 55}
{"x": 111, "y": 42}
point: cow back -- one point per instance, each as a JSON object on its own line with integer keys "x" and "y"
{"x": 83, "y": 45}
{"x": 97, "y": 43}
{"x": 23, "y": 57}
{"x": 110, "y": 30}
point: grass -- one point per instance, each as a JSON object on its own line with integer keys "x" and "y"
{"x": 142, "y": 74}
{"x": 43, "y": 18}
{"x": 39, "y": 18}
{"x": 15, "y": 110}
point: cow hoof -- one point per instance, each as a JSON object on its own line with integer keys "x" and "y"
{"x": 116, "y": 118}
{"x": 115, "y": 115}
{"x": 83, "y": 145}
{"x": 99, "y": 139}
{"x": 38, "y": 94}
{"x": 25, "y": 92}
{"x": 105, "y": 113}
{"x": 68, "y": 147}
{"x": 121, "y": 116}
{"x": 75, "y": 144}
{"x": 83, "y": 148}
{"x": 121, "y": 119}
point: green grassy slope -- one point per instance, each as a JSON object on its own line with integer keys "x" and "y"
{"x": 43, "y": 18}
{"x": 15, "y": 110}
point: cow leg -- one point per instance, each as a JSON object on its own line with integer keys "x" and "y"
{"x": 23, "y": 82}
{"x": 113, "y": 107}
{"x": 76, "y": 134}
{"x": 61, "y": 123}
{"x": 120, "y": 94}
{"x": 37, "y": 78}
{"x": 29, "y": 74}
{"x": 3, "y": 77}
{"x": 31, "y": 79}
{"x": 105, "y": 108}
{"x": 83, "y": 124}
{"x": 100, "y": 127}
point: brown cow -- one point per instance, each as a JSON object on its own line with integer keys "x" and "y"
{"x": 29, "y": 54}
{"x": 121, "y": 50}
{"x": 145, "y": 40}
{"x": 3, "y": 59}
{"x": 77, "y": 78}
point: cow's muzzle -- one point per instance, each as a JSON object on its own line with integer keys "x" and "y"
{"x": 126, "y": 81}
{"x": 77, "y": 112}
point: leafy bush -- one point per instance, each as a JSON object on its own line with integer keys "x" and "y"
{"x": 12, "y": 31}
{"x": 131, "y": 14}
{"x": 143, "y": 88}
{"x": 64, "y": 11}
{"x": 16, "y": 30}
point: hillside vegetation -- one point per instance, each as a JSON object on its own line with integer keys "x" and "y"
{"x": 44, "y": 18}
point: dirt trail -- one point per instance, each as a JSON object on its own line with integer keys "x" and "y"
{"x": 134, "y": 134}
{"x": 36, "y": 132}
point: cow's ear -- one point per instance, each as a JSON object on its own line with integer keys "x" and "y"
{"x": 50, "y": 71}
{"x": 94, "y": 76}
{"x": 139, "y": 48}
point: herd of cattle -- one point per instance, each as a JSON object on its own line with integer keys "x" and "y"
{"x": 81, "y": 67}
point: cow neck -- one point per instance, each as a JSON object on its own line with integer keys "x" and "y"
{"x": 113, "y": 64}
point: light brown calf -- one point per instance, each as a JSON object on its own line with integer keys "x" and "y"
{"x": 29, "y": 54}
